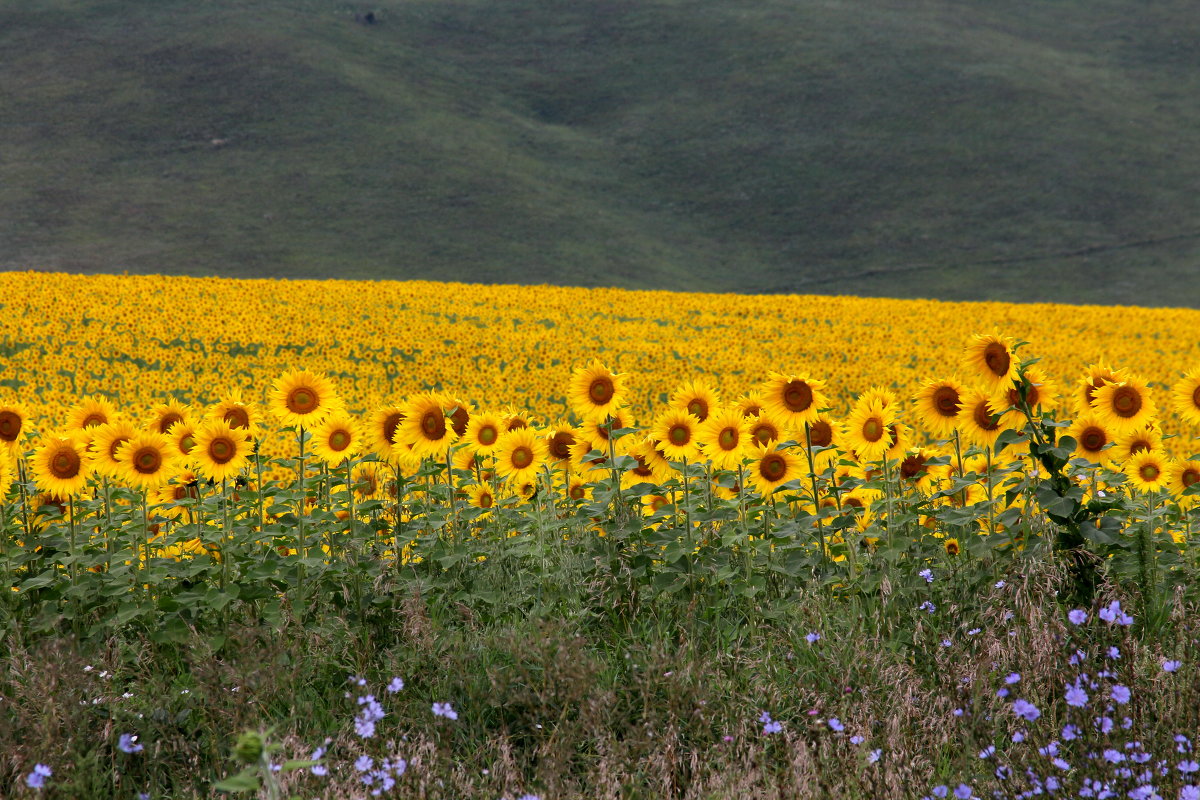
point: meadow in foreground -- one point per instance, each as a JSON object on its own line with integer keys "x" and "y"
{"x": 958, "y": 592}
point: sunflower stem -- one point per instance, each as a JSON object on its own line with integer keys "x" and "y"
{"x": 887, "y": 487}
{"x": 262, "y": 516}
{"x": 24, "y": 503}
{"x": 987, "y": 451}
{"x": 812, "y": 475}
{"x": 146, "y": 541}
{"x": 450, "y": 482}
{"x": 612, "y": 463}
{"x": 303, "y": 548}
{"x": 224, "y": 533}
{"x": 961, "y": 467}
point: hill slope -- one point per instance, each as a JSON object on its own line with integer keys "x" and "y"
{"x": 963, "y": 150}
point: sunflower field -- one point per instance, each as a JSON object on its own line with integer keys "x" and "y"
{"x": 185, "y": 458}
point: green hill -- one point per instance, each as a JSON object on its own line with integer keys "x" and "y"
{"x": 965, "y": 150}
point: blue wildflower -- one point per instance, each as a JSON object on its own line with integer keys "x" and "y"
{"x": 128, "y": 743}
{"x": 37, "y": 778}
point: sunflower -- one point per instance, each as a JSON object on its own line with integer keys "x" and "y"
{"x": 514, "y": 419}
{"x": 481, "y": 495}
{"x": 1147, "y": 471}
{"x": 520, "y": 454}
{"x": 951, "y": 546}
{"x": 367, "y": 479}
{"x": 1124, "y": 406}
{"x": 1180, "y": 476}
{"x": 164, "y": 415}
{"x": 868, "y": 430}
{"x": 825, "y": 435}
{"x": 724, "y": 438}
{"x": 990, "y": 357}
{"x": 582, "y": 457}
{"x": 767, "y": 427}
{"x": 595, "y": 391}
{"x": 60, "y": 465}
{"x": 1091, "y": 437}
{"x": 302, "y": 399}
{"x": 938, "y": 405}
{"x": 980, "y": 421}
{"x": 183, "y": 435}
{"x": 578, "y": 489}
{"x": 1040, "y": 393}
{"x": 424, "y": 429}
{"x": 147, "y": 460}
{"x": 1095, "y": 376}
{"x": 901, "y": 437}
{"x": 12, "y": 425}
{"x": 104, "y": 443}
{"x": 1131, "y": 442}
{"x": 238, "y": 413}
{"x": 90, "y": 412}
{"x": 650, "y": 466}
{"x": 794, "y": 398}
{"x": 771, "y": 468}
{"x": 598, "y": 430}
{"x": 458, "y": 412}
{"x": 559, "y": 440}
{"x": 221, "y": 449}
{"x": 337, "y": 438}
{"x": 750, "y": 404}
{"x": 916, "y": 470}
{"x": 1185, "y": 397}
{"x": 6, "y": 474}
{"x": 675, "y": 432}
{"x": 381, "y": 430}
{"x": 183, "y": 487}
{"x": 653, "y": 503}
{"x": 696, "y": 398}
{"x": 483, "y": 432}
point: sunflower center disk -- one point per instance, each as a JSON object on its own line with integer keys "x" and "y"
{"x": 10, "y": 426}
{"x": 65, "y": 464}
{"x": 872, "y": 430}
{"x": 115, "y": 446}
{"x": 433, "y": 426}
{"x": 522, "y": 457}
{"x": 186, "y": 444}
{"x": 221, "y": 450}
{"x": 485, "y": 501}
{"x": 167, "y": 421}
{"x": 600, "y": 391}
{"x": 912, "y": 466}
{"x": 996, "y": 356}
{"x": 1189, "y": 477}
{"x": 1092, "y": 440}
{"x": 301, "y": 401}
{"x": 237, "y": 418}
{"x": 339, "y": 440}
{"x": 1138, "y": 446}
{"x": 680, "y": 435}
{"x": 727, "y": 439}
{"x": 698, "y": 408}
{"x": 389, "y": 427}
{"x": 487, "y": 436}
{"x": 147, "y": 461}
{"x": 92, "y": 420}
{"x": 1196, "y": 397}
{"x": 1126, "y": 401}
{"x": 773, "y": 468}
{"x": 797, "y": 396}
{"x": 983, "y": 418}
{"x": 560, "y": 445}
{"x": 821, "y": 434}
{"x": 1149, "y": 472}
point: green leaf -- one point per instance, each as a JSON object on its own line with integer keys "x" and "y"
{"x": 288, "y": 766}
{"x": 244, "y": 781}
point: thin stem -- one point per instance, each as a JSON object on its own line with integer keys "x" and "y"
{"x": 262, "y": 517}
{"x": 612, "y": 463}
{"x": 812, "y": 475}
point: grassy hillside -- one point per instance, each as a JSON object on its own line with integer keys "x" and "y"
{"x": 962, "y": 150}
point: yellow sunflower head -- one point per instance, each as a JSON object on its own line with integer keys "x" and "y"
{"x": 696, "y": 398}
{"x": 725, "y": 438}
{"x": 990, "y": 358}
{"x": 483, "y": 432}
{"x": 868, "y": 430}
{"x": 183, "y": 435}
{"x": 980, "y": 422}
{"x": 1124, "y": 406}
{"x": 1095, "y": 376}
{"x": 1041, "y": 394}
{"x": 559, "y": 440}
{"x": 596, "y": 391}
{"x": 60, "y": 465}
{"x": 750, "y": 404}
{"x": 1147, "y": 471}
{"x": 221, "y": 450}
{"x": 481, "y": 496}
{"x": 164, "y": 415}
{"x": 302, "y": 398}
{"x": 1182, "y": 475}
{"x": 336, "y": 438}
{"x": 90, "y": 412}
{"x": 381, "y": 430}
{"x": 520, "y": 454}
{"x": 767, "y": 427}
{"x": 1091, "y": 435}
{"x": 676, "y": 433}
{"x": 1131, "y": 442}
{"x": 951, "y": 546}
{"x": 1185, "y": 397}
{"x": 105, "y": 441}
{"x": 147, "y": 460}
{"x": 238, "y": 413}
{"x": 13, "y": 421}
{"x": 794, "y": 398}
{"x": 425, "y": 429}
{"x": 916, "y": 470}
{"x": 771, "y": 468}
{"x": 938, "y": 405}
{"x": 649, "y": 465}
